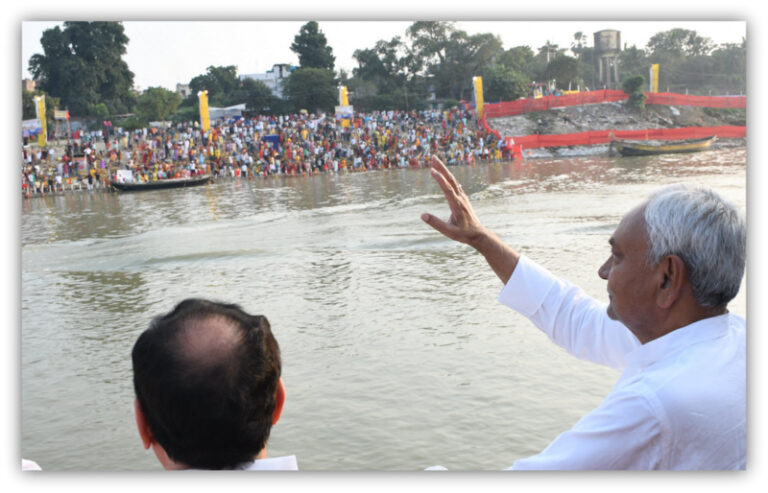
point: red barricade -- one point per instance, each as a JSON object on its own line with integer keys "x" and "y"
{"x": 671, "y": 99}
{"x": 531, "y": 105}
{"x": 605, "y": 136}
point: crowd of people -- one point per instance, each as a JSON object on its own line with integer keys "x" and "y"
{"x": 290, "y": 145}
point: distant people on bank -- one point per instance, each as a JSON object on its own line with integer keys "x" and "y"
{"x": 264, "y": 146}
{"x": 208, "y": 388}
{"x": 675, "y": 262}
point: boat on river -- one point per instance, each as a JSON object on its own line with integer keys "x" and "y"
{"x": 635, "y": 148}
{"x": 135, "y": 186}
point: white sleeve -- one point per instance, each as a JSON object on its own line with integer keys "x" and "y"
{"x": 571, "y": 319}
{"x": 625, "y": 432}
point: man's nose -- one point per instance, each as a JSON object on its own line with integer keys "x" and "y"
{"x": 604, "y": 269}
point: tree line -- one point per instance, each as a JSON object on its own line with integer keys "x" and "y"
{"x": 432, "y": 64}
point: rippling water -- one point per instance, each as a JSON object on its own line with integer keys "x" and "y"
{"x": 396, "y": 355}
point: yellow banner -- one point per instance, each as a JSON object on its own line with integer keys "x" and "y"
{"x": 655, "y": 77}
{"x": 42, "y": 139}
{"x": 343, "y": 96}
{"x": 205, "y": 119}
{"x": 478, "y": 82}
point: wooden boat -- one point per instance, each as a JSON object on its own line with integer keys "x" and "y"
{"x": 160, "y": 184}
{"x": 634, "y": 148}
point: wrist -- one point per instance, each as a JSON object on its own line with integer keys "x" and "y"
{"x": 483, "y": 240}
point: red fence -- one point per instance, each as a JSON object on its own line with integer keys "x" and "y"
{"x": 604, "y": 136}
{"x": 671, "y": 99}
{"x": 531, "y": 105}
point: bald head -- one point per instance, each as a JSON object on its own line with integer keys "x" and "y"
{"x": 206, "y": 376}
{"x": 209, "y": 340}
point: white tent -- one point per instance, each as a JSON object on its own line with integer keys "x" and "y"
{"x": 228, "y": 112}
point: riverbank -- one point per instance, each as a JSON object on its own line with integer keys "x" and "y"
{"x": 612, "y": 116}
{"x": 81, "y": 185}
{"x": 378, "y": 141}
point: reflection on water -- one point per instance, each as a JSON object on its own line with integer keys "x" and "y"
{"x": 388, "y": 330}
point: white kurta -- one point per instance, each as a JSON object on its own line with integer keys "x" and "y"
{"x": 287, "y": 463}
{"x": 680, "y": 402}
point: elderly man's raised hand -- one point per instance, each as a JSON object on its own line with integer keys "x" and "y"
{"x": 463, "y": 225}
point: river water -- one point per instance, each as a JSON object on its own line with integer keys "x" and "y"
{"x": 396, "y": 354}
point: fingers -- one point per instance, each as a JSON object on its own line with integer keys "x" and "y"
{"x": 438, "y": 166}
{"x": 440, "y": 226}
{"x": 450, "y": 193}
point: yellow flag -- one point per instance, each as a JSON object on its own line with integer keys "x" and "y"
{"x": 655, "y": 77}
{"x": 42, "y": 139}
{"x": 478, "y": 82}
{"x": 343, "y": 96}
{"x": 204, "y": 116}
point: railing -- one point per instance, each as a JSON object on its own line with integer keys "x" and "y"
{"x": 605, "y": 136}
{"x": 531, "y": 105}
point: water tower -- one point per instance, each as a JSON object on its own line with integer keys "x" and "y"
{"x": 607, "y": 48}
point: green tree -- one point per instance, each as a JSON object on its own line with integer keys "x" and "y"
{"x": 312, "y": 48}
{"x": 563, "y": 69}
{"x": 466, "y": 57}
{"x": 222, "y": 85}
{"x": 258, "y": 97}
{"x": 547, "y": 54}
{"x": 549, "y": 51}
{"x": 501, "y": 83}
{"x": 28, "y": 111}
{"x": 157, "y": 104}
{"x": 383, "y": 64}
{"x": 689, "y": 62}
{"x": 452, "y": 57}
{"x": 679, "y": 43}
{"x": 82, "y": 65}
{"x": 634, "y": 86}
{"x": 98, "y": 111}
{"x": 519, "y": 59}
{"x": 730, "y": 64}
{"x": 632, "y": 61}
{"x": 312, "y": 89}
{"x": 429, "y": 40}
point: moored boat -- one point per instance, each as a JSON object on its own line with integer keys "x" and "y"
{"x": 192, "y": 181}
{"x": 634, "y": 148}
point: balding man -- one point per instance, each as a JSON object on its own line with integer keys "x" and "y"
{"x": 208, "y": 388}
{"x": 676, "y": 261}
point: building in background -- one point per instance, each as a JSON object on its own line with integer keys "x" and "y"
{"x": 273, "y": 78}
{"x": 183, "y": 90}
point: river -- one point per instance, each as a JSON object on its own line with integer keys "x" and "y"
{"x": 396, "y": 354}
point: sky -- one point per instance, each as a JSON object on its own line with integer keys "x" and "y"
{"x": 162, "y": 53}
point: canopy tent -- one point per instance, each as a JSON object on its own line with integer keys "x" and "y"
{"x": 228, "y": 112}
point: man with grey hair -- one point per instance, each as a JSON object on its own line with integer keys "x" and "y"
{"x": 676, "y": 261}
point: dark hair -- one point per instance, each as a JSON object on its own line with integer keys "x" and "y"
{"x": 215, "y": 411}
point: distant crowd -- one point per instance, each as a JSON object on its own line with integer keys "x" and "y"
{"x": 289, "y": 145}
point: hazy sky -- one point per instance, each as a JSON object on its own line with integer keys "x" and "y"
{"x": 163, "y": 53}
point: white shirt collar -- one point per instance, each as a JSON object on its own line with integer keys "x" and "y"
{"x": 287, "y": 463}
{"x": 657, "y": 349}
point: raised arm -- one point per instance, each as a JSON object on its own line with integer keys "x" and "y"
{"x": 464, "y": 226}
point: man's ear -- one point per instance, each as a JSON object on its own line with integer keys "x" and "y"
{"x": 141, "y": 423}
{"x": 279, "y": 401}
{"x": 673, "y": 277}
